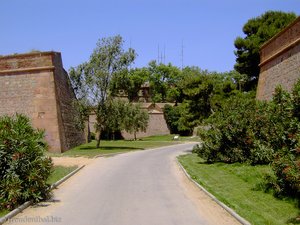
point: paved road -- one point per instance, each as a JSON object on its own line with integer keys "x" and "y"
{"x": 137, "y": 188}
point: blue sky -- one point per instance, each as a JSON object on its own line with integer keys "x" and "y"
{"x": 207, "y": 28}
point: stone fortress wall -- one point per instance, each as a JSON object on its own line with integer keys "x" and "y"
{"x": 280, "y": 61}
{"x": 36, "y": 84}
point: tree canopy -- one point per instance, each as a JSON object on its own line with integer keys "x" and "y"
{"x": 92, "y": 80}
{"x": 257, "y": 31}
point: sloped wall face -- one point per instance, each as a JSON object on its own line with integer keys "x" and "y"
{"x": 31, "y": 84}
{"x": 280, "y": 62}
{"x": 157, "y": 126}
{"x": 70, "y": 135}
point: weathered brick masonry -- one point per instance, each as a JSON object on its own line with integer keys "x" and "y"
{"x": 37, "y": 85}
{"x": 280, "y": 61}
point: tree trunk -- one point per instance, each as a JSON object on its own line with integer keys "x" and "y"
{"x": 87, "y": 131}
{"x": 98, "y": 140}
{"x": 135, "y": 135}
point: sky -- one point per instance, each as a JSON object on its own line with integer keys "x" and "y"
{"x": 183, "y": 32}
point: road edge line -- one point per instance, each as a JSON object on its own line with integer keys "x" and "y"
{"x": 25, "y": 205}
{"x": 227, "y": 208}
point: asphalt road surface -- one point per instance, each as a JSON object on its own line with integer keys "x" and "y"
{"x": 137, "y": 188}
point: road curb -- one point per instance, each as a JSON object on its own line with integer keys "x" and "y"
{"x": 228, "y": 209}
{"x": 16, "y": 211}
{"x": 56, "y": 184}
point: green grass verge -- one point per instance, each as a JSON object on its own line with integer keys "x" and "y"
{"x": 119, "y": 146}
{"x": 238, "y": 186}
{"x": 3, "y": 212}
{"x": 60, "y": 172}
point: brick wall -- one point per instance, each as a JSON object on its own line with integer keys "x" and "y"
{"x": 280, "y": 61}
{"x": 70, "y": 136}
{"x": 34, "y": 84}
{"x": 156, "y": 126}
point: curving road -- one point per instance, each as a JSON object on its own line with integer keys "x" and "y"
{"x": 137, "y": 188}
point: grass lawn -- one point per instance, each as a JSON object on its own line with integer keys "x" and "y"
{"x": 3, "y": 212}
{"x": 237, "y": 185}
{"x": 60, "y": 172}
{"x": 119, "y": 146}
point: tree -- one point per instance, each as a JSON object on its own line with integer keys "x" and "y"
{"x": 172, "y": 115}
{"x": 163, "y": 82}
{"x": 136, "y": 119}
{"x": 257, "y": 30}
{"x": 130, "y": 81}
{"x": 93, "y": 78}
{"x": 117, "y": 112}
{"x": 197, "y": 89}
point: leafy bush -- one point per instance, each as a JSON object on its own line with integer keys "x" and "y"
{"x": 23, "y": 167}
{"x": 229, "y": 139}
{"x": 172, "y": 115}
{"x": 286, "y": 164}
{"x": 245, "y": 130}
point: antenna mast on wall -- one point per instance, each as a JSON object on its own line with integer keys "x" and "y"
{"x": 158, "y": 54}
{"x": 164, "y": 54}
{"x": 130, "y": 48}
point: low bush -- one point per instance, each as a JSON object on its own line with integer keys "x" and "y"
{"x": 24, "y": 169}
{"x": 245, "y": 130}
{"x": 229, "y": 138}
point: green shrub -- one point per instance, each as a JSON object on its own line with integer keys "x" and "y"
{"x": 245, "y": 130}
{"x": 93, "y": 136}
{"x": 172, "y": 115}
{"x": 286, "y": 164}
{"x": 24, "y": 169}
{"x": 229, "y": 138}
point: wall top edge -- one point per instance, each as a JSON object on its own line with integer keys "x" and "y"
{"x": 280, "y": 33}
{"x": 22, "y": 55}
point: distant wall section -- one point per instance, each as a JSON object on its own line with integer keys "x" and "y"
{"x": 156, "y": 126}
{"x": 280, "y": 61}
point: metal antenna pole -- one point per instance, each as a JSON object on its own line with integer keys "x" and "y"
{"x": 158, "y": 54}
{"x": 182, "y": 54}
{"x": 164, "y": 54}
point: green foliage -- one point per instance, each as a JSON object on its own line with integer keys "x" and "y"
{"x": 197, "y": 89}
{"x": 130, "y": 81}
{"x": 92, "y": 81}
{"x": 244, "y": 130}
{"x": 116, "y": 111}
{"x": 287, "y": 161}
{"x": 135, "y": 119}
{"x": 257, "y": 30}
{"x": 202, "y": 93}
{"x": 24, "y": 169}
{"x": 172, "y": 115}
{"x": 163, "y": 82}
{"x": 228, "y": 138}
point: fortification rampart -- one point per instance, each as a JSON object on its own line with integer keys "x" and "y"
{"x": 280, "y": 61}
{"x": 36, "y": 84}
